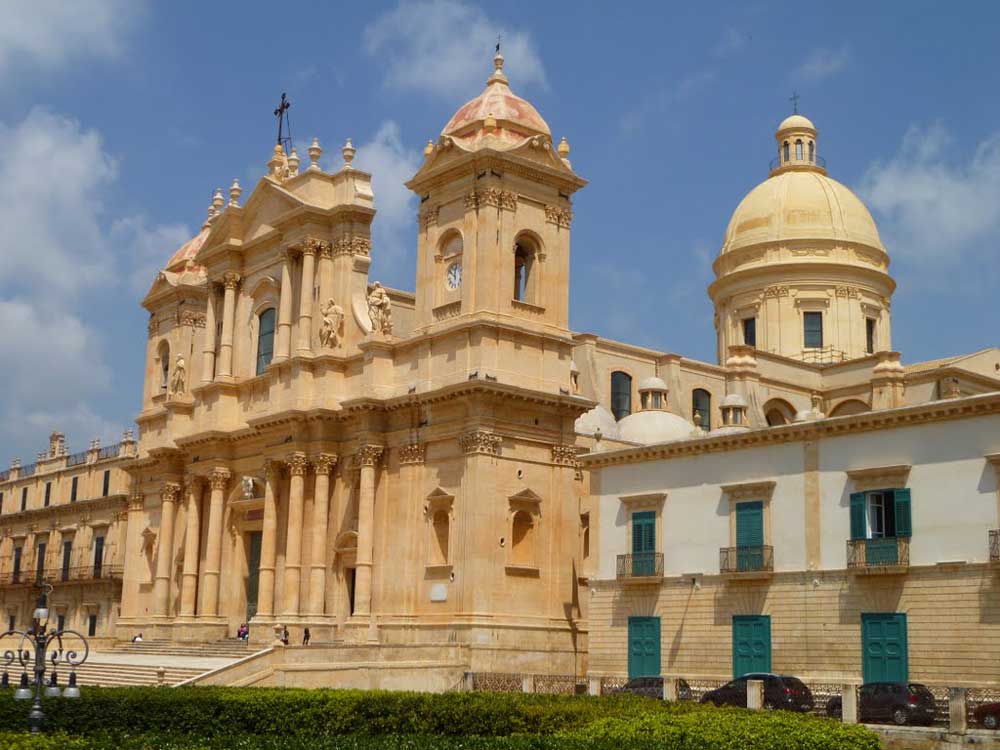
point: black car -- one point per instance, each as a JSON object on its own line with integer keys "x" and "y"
{"x": 652, "y": 687}
{"x": 898, "y": 702}
{"x": 780, "y": 691}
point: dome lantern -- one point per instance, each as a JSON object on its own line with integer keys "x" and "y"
{"x": 798, "y": 146}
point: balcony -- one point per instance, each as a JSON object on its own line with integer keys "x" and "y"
{"x": 57, "y": 576}
{"x": 642, "y": 567}
{"x": 887, "y": 555}
{"x": 995, "y": 546}
{"x": 746, "y": 562}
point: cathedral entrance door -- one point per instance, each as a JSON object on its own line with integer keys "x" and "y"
{"x": 253, "y": 572}
{"x": 349, "y": 580}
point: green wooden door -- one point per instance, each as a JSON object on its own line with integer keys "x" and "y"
{"x": 751, "y": 644}
{"x": 643, "y": 647}
{"x": 884, "y": 648}
{"x": 253, "y": 573}
{"x": 644, "y": 543}
{"x": 750, "y": 535}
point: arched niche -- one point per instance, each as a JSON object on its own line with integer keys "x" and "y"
{"x": 849, "y": 406}
{"x": 777, "y": 412}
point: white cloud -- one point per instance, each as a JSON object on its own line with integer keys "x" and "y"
{"x": 823, "y": 63}
{"x": 394, "y": 230}
{"x": 935, "y": 206}
{"x": 149, "y": 248}
{"x": 445, "y": 47}
{"x": 49, "y": 34}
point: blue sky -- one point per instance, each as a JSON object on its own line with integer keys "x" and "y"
{"x": 119, "y": 118}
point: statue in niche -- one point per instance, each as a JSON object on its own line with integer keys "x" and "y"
{"x": 178, "y": 382}
{"x": 333, "y": 318}
{"x": 247, "y": 487}
{"x": 380, "y": 309}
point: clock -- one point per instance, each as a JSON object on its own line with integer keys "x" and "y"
{"x": 453, "y": 277}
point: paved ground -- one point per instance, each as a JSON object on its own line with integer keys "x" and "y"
{"x": 158, "y": 660}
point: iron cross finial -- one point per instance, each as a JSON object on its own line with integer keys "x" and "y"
{"x": 794, "y": 99}
{"x": 498, "y": 42}
{"x": 283, "y": 107}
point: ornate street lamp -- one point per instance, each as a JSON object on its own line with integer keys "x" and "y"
{"x": 44, "y": 642}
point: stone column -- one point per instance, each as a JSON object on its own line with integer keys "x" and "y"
{"x": 131, "y": 561}
{"x": 165, "y": 553}
{"x": 325, "y": 265}
{"x": 306, "y": 297}
{"x": 324, "y": 465}
{"x": 219, "y": 481}
{"x": 283, "y": 339}
{"x": 208, "y": 352}
{"x": 297, "y": 467}
{"x": 269, "y": 540}
{"x": 367, "y": 458}
{"x": 192, "y": 548}
{"x": 225, "y": 368}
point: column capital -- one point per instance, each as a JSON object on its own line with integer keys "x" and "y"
{"x": 230, "y": 280}
{"x": 324, "y": 463}
{"x": 414, "y": 453}
{"x": 368, "y": 455}
{"x": 315, "y": 246}
{"x": 219, "y": 478}
{"x": 481, "y": 441}
{"x": 298, "y": 463}
{"x": 273, "y": 468}
{"x": 136, "y": 501}
{"x": 170, "y": 492}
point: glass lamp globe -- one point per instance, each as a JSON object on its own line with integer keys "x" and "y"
{"x": 71, "y": 691}
{"x": 52, "y": 689}
{"x": 23, "y": 692}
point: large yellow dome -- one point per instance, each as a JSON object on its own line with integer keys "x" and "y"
{"x": 800, "y": 205}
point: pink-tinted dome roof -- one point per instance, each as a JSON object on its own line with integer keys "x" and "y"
{"x": 515, "y": 118}
{"x": 187, "y": 251}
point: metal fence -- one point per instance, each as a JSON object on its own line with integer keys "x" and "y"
{"x": 75, "y": 459}
{"x": 746, "y": 559}
{"x": 640, "y": 565}
{"x": 887, "y": 552}
{"x": 109, "y": 451}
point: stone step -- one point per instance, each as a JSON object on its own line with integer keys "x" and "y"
{"x": 98, "y": 674}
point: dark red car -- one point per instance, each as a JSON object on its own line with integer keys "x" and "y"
{"x": 987, "y": 715}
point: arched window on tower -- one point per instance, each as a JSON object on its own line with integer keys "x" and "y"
{"x": 522, "y": 539}
{"x": 701, "y": 408}
{"x": 163, "y": 353}
{"x": 439, "y": 542}
{"x": 784, "y": 151}
{"x": 812, "y": 151}
{"x": 524, "y": 265}
{"x": 621, "y": 394}
{"x": 265, "y": 339}
{"x": 798, "y": 150}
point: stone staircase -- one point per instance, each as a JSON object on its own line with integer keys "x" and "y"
{"x": 231, "y": 648}
{"x": 124, "y": 675}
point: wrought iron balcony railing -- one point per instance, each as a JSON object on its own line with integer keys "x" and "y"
{"x": 640, "y": 566}
{"x": 757, "y": 559}
{"x": 73, "y": 574}
{"x": 995, "y": 545}
{"x": 875, "y": 554}
{"x": 779, "y": 162}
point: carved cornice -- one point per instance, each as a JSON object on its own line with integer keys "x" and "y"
{"x": 480, "y": 441}
{"x": 314, "y": 246}
{"x": 879, "y": 477}
{"x": 502, "y": 199}
{"x": 414, "y": 453}
{"x": 324, "y": 463}
{"x": 564, "y": 455}
{"x": 561, "y": 217}
{"x": 749, "y": 490}
{"x": 170, "y": 492}
{"x": 851, "y": 292}
{"x": 776, "y": 291}
{"x": 352, "y": 245}
{"x": 231, "y": 280}
{"x": 219, "y": 478}
{"x": 191, "y": 318}
{"x": 429, "y": 216}
{"x": 136, "y": 501}
{"x": 368, "y": 455}
{"x": 298, "y": 464}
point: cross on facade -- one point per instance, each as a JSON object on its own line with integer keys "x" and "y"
{"x": 280, "y": 114}
{"x": 794, "y": 99}
{"x": 498, "y": 43}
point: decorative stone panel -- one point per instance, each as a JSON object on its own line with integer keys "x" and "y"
{"x": 480, "y": 441}
{"x": 412, "y": 454}
{"x": 561, "y": 217}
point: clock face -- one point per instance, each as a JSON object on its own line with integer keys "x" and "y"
{"x": 454, "y": 276}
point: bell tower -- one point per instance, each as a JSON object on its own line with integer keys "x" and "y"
{"x": 495, "y": 215}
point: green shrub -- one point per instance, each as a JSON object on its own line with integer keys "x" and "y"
{"x": 25, "y": 741}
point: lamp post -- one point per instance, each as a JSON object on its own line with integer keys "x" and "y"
{"x": 48, "y": 647}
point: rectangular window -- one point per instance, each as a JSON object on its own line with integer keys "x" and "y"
{"x": 107, "y": 482}
{"x": 61, "y": 623}
{"x": 72, "y": 489}
{"x": 98, "y": 555}
{"x": 870, "y": 335}
{"x": 750, "y": 535}
{"x": 750, "y": 331}
{"x": 11, "y": 622}
{"x": 881, "y": 514}
{"x": 644, "y": 543}
{"x": 16, "y": 570}
{"x": 40, "y": 561}
{"x": 24, "y": 498}
{"x": 812, "y": 323}
{"x": 48, "y": 493}
{"x": 92, "y": 625}
{"x": 67, "y": 556}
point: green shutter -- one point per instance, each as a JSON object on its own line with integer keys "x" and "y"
{"x": 904, "y": 525}
{"x": 750, "y": 524}
{"x": 858, "y": 526}
{"x": 643, "y": 532}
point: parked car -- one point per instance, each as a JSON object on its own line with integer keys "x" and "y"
{"x": 780, "y": 691}
{"x": 898, "y": 702}
{"x": 652, "y": 687}
{"x": 987, "y": 715}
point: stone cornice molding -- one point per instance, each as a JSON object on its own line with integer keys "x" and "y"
{"x": 219, "y": 478}
{"x": 170, "y": 492}
{"x": 879, "y": 477}
{"x": 749, "y": 490}
{"x": 414, "y": 453}
{"x": 352, "y": 245}
{"x": 936, "y": 411}
{"x": 564, "y": 455}
{"x": 368, "y": 455}
{"x": 191, "y": 318}
{"x": 298, "y": 464}
{"x": 136, "y": 501}
{"x": 561, "y": 217}
{"x": 324, "y": 463}
{"x": 653, "y": 500}
{"x": 502, "y": 199}
{"x": 480, "y": 441}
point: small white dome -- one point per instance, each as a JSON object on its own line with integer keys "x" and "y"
{"x": 648, "y": 427}
{"x": 598, "y": 418}
{"x": 652, "y": 384}
{"x": 733, "y": 399}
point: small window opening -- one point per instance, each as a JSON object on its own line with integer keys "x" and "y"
{"x": 812, "y": 324}
{"x": 798, "y": 150}
{"x": 870, "y": 335}
{"x": 750, "y": 331}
